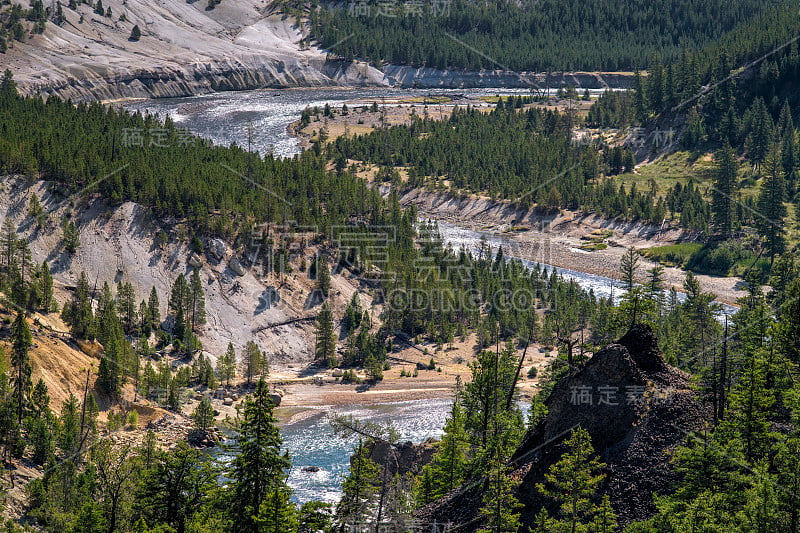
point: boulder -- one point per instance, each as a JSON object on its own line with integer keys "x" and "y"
{"x": 203, "y": 438}
{"x": 236, "y": 266}
{"x": 194, "y": 261}
{"x": 217, "y": 249}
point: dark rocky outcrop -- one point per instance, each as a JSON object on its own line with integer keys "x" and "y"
{"x": 636, "y": 408}
{"x": 402, "y": 458}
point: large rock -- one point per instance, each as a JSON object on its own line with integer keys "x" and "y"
{"x": 405, "y": 458}
{"x": 217, "y": 249}
{"x": 636, "y": 408}
{"x": 236, "y": 266}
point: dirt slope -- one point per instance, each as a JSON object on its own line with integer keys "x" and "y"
{"x": 120, "y": 244}
{"x": 185, "y": 49}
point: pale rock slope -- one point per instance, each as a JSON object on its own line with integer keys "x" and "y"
{"x": 185, "y": 49}
{"x": 121, "y": 244}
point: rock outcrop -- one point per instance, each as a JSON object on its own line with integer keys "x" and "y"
{"x": 456, "y": 79}
{"x": 402, "y": 458}
{"x": 636, "y": 408}
{"x": 184, "y": 50}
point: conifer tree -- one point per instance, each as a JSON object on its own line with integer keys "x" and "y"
{"x": 448, "y": 469}
{"x": 22, "y": 341}
{"x": 154, "y": 315}
{"x": 323, "y": 276}
{"x": 203, "y": 415}
{"x": 254, "y": 362}
{"x": 573, "y": 481}
{"x": 277, "y": 514}
{"x": 136, "y": 33}
{"x": 126, "y": 305}
{"x": 197, "y": 300}
{"x": 226, "y": 364}
{"x": 258, "y": 469}
{"x": 176, "y": 485}
{"x": 359, "y": 489}
{"x": 770, "y": 206}
{"x": 760, "y": 139}
{"x": 325, "y": 347}
{"x": 723, "y": 194}
{"x": 71, "y": 237}
{"x": 628, "y": 266}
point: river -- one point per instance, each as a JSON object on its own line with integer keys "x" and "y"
{"x": 224, "y": 119}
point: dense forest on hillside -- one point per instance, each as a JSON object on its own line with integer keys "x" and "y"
{"x": 533, "y": 35}
{"x": 524, "y": 156}
{"x": 93, "y": 148}
{"x": 739, "y": 472}
{"x": 744, "y": 117}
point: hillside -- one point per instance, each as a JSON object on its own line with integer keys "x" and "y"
{"x": 184, "y": 49}
{"x": 634, "y": 435}
{"x": 530, "y": 35}
{"x": 120, "y": 245}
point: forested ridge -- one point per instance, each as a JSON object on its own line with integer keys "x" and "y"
{"x": 536, "y": 36}
{"x": 739, "y": 473}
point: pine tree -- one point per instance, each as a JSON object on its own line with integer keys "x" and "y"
{"x": 359, "y": 489}
{"x": 154, "y": 315}
{"x": 203, "y": 415}
{"x": 71, "y": 237}
{"x": 770, "y": 206}
{"x": 254, "y": 362}
{"x": 723, "y": 193}
{"x": 22, "y": 341}
{"x": 175, "y": 487}
{"x": 258, "y": 469}
{"x": 59, "y": 15}
{"x": 136, "y": 33}
{"x": 352, "y": 314}
{"x": 448, "y": 469}
{"x": 605, "y": 521}
{"x": 655, "y": 284}
{"x": 180, "y": 297}
{"x": 226, "y": 365}
{"x": 9, "y": 245}
{"x": 277, "y": 514}
{"x": 639, "y": 97}
{"x": 628, "y": 266}
{"x": 35, "y": 209}
{"x": 323, "y": 276}
{"x": 109, "y": 374}
{"x": 761, "y": 134}
{"x": 47, "y": 301}
{"x": 325, "y": 347}
{"x": 126, "y": 305}
{"x": 573, "y": 481}
{"x": 655, "y": 87}
{"x": 197, "y": 300}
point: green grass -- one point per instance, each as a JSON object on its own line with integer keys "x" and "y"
{"x": 673, "y": 254}
{"x": 679, "y": 167}
{"x": 728, "y": 258}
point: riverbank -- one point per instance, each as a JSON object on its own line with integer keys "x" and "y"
{"x": 187, "y": 49}
{"x": 410, "y": 378}
{"x": 567, "y": 239}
